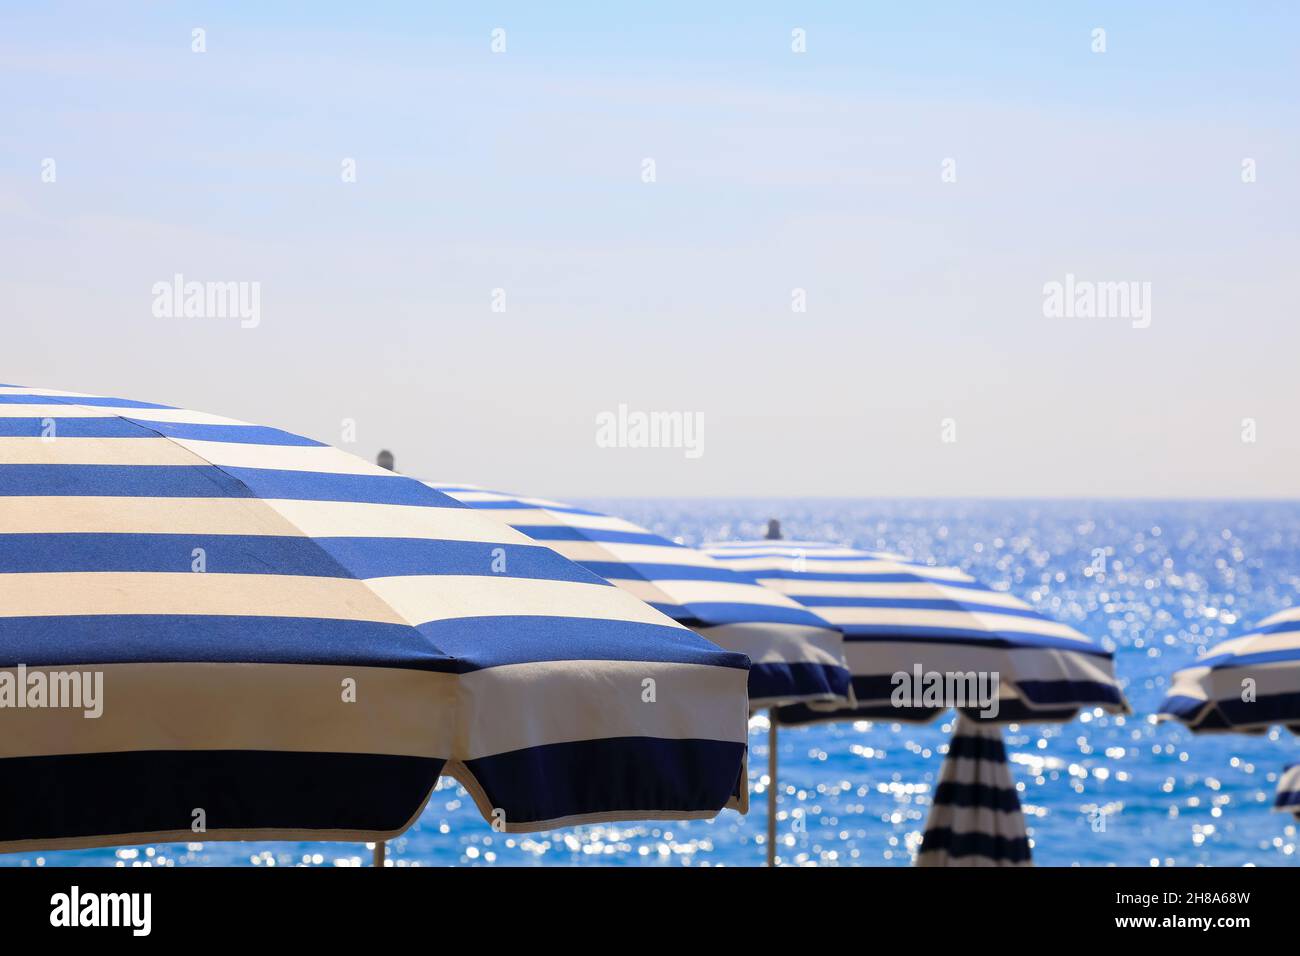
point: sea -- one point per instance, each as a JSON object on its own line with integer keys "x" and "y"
{"x": 1158, "y": 582}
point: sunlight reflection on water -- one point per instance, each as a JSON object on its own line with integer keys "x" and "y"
{"x": 1177, "y": 577}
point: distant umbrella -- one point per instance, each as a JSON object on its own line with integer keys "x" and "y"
{"x": 1245, "y": 684}
{"x": 296, "y": 644}
{"x": 1288, "y": 791}
{"x": 795, "y": 655}
{"x": 906, "y": 624}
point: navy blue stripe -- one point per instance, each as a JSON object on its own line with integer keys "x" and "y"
{"x": 1076, "y": 692}
{"x": 271, "y": 554}
{"x": 626, "y": 775}
{"x": 714, "y": 614}
{"x": 986, "y": 749}
{"x": 796, "y": 714}
{"x": 101, "y": 795}
{"x": 1043, "y": 693}
{"x": 95, "y": 401}
{"x": 1009, "y": 711}
{"x": 457, "y": 645}
{"x": 479, "y": 642}
{"x": 1267, "y": 708}
{"x": 209, "y": 481}
{"x": 1288, "y": 798}
{"x": 889, "y": 633}
{"x": 782, "y": 680}
{"x": 976, "y": 796}
{"x": 172, "y": 638}
{"x": 127, "y": 481}
{"x": 74, "y": 427}
{"x": 1184, "y": 708}
{"x": 959, "y": 845}
{"x": 568, "y": 533}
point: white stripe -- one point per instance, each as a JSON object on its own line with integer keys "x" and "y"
{"x": 94, "y": 451}
{"x": 299, "y": 707}
{"x": 778, "y": 643}
{"x": 629, "y": 553}
{"x": 797, "y": 566}
{"x": 417, "y": 599}
{"x": 315, "y": 458}
{"x": 963, "y": 620}
{"x": 146, "y": 416}
{"x": 251, "y": 516}
{"x": 917, "y": 591}
{"x": 421, "y": 599}
{"x": 547, "y": 519}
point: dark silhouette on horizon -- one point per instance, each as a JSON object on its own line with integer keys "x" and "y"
{"x": 385, "y": 460}
{"x": 773, "y": 530}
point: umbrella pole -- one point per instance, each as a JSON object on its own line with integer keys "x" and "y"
{"x": 771, "y": 786}
{"x": 381, "y": 850}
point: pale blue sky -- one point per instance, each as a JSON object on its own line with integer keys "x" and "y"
{"x": 776, "y": 171}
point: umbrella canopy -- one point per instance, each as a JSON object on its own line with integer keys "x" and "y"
{"x": 216, "y": 628}
{"x": 975, "y": 819}
{"x": 902, "y": 619}
{"x": 795, "y": 655}
{"x": 921, "y": 640}
{"x": 1288, "y": 791}
{"x": 1245, "y": 684}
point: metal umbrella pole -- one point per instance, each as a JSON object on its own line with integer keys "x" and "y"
{"x": 771, "y": 786}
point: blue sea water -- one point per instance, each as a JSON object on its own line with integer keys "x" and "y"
{"x": 1100, "y": 790}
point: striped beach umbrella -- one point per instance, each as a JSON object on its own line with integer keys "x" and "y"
{"x": 1288, "y": 791}
{"x": 795, "y": 655}
{"x": 1245, "y": 684}
{"x": 921, "y": 640}
{"x": 975, "y": 819}
{"x": 216, "y": 630}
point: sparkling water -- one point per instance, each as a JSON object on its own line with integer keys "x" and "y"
{"x": 1158, "y": 582}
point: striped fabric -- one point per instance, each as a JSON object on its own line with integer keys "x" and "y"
{"x": 975, "y": 819}
{"x": 1288, "y": 791}
{"x": 902, "y": 618}
{"x": 1245, "y": 684}
{"x": 795, "y": 655}
{"x": 296, "y": 644}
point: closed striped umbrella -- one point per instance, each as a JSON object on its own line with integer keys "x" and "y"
{"x": 975, "y": 819}
{"x": 285, "y": 642}
{"x": 1288, "y": 791}
{"x": 795, "y": 655}
{"x": 1246, "y": 684}
{"x": 920, "y": 640}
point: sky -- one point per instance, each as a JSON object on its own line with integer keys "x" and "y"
{"x": 458, "y": 256}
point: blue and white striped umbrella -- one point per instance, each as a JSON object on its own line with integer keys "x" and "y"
{"x": 1245, "y": 684}
{"x": 975, "y": 819}
{"x": 904, "y": 618}
{"x": 920, "y": 640}
{"x": 1288, "y": 791}
{"x": 286, "y": 642}
{"x": 796, "y": 656}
